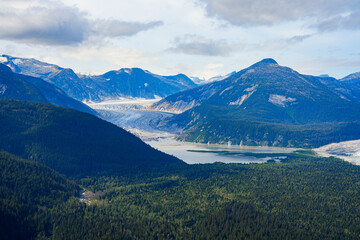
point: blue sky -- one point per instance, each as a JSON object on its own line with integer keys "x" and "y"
{"x": 202, "y": 38}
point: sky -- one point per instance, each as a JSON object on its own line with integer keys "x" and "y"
{"x": 200, "y": 38}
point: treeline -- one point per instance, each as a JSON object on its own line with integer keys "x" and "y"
{"x": 255, "y": 133}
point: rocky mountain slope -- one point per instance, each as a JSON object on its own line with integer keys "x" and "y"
{"x": 265, "y": 104}
{"x": 21, "y": 87}
{"x": 126, "y": 82}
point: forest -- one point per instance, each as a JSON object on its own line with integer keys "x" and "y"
{"x": 303, "y": 197}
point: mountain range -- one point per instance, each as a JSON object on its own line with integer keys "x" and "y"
{"x": 126, "y": 82}
{"x": 267, "y": 104}
{"x": 27, "y": 88}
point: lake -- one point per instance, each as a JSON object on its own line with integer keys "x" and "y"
{"x": 195, "y": 153}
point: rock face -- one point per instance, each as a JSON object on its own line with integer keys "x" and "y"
{"x": 266, "y": 104}
{"x": 33, "y": 89}
{"x": 126, "y": 82}
{"x": 351, "y": 85}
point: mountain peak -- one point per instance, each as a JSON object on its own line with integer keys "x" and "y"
{"x": 267, "y": 61}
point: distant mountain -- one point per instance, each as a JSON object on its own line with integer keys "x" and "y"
{"x": 213, "y": 79}
{"x": 21, "y": 87}
{"x": 127, "y": 82}
{"x": 73, "y": 143}
{"x": 353, "y": 78}
{"x": 220, "y": 77}
{"x": 265, "y": 104}
{"x": 135, "y": 82}
{"x": 352, "y": 82}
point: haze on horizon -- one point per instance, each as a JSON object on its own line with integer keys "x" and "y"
{"x": 202, "y": 38}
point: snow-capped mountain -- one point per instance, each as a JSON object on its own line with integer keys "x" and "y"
{"x": 127, "y": 82}
{"x": 265, "y": 104}
{"x": 33, "y": 89}
{"x": 201, "y": 81}
{"x": 136, "y": 82}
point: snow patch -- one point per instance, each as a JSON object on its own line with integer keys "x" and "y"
{"x": 280, "y": 100}
{"x": 17, "y": 61}
{"x": 244, "y": 97}
{"x": 250, "y": 89}
{"x": 3, "y": 59}
{"x": 226, "y": 89}
{"x": 128, "y": 71}
{"x": 3, "y": 88}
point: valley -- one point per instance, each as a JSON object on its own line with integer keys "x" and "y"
{"x": 133, "y": 115}
{"x": 179, "y": 120}
{"x": 239, "y": 158}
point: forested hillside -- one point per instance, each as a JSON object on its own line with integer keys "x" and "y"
{"x": 304, "y": 197}
{"x": 72, "y": 142}
{"x": 28, "y": 191}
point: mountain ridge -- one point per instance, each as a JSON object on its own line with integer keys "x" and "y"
{"x": 263, "y": 96}
{"x": 125, "y": 82}
{"x": 27, "y": 88}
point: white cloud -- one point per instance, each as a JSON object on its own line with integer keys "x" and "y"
{"x": 105, "y": 57}
{"x": 115, "y": 28}
{"x": 196, "y": 45}
{"x": 52, "y": 23}
{"x": 326, "y": 13}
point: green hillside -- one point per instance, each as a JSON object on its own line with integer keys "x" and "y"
{"x": 72, "y": 142}
{"x": 27, "y": 191}
{"x": 216, "y": 124}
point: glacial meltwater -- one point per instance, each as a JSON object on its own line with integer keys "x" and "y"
{"x": 196, "y": 153}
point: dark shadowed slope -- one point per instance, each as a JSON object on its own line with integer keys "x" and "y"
{"x": 27, "y": 190}
{"x": 72, "y": 142}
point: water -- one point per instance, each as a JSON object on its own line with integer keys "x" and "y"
{"x": 181, "y": 151}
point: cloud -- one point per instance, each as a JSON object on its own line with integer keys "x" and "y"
{"x": 116, "y": 28}
{"x": 44, "y": 25}
{"x": 326, "y": 13}
{"x": 298, "y": 38}
{"x": 343, "y": 21}
{"x": 195, "y": 45}
{"x": 108, "y": 57}
{"x": 53, "y": 23}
